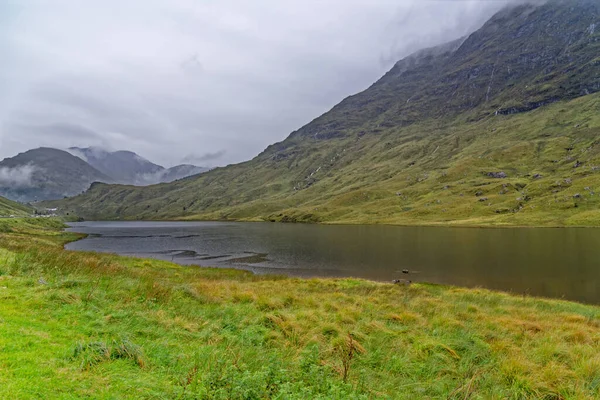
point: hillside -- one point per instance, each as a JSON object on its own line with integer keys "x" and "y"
{"x": 45, "y": 173}
{"x": 11, "y": 208}
{"x": 500, "y": 127}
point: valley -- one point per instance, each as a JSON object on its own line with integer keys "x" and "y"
{"x": 348, "y": 260}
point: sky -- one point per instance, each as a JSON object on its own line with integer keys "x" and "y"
{"x": 206, "y": 82}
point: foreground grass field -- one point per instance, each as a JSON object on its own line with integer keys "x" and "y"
{"x": 84, "y": 325}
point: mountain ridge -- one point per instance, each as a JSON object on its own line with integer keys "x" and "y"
{"x": 127, "y": 167}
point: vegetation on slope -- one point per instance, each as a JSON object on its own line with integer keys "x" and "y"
{"x": 8, "y": 208}
{"x": 428, "y": 173}
{"x": 75, "y": 325}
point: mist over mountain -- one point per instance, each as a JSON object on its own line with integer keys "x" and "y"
{"x": 49, "y": 174}
{"x": 46, "y": 173}
{"x": 126, "y": 167}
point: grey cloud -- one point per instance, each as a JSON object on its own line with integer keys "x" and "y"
{"x": 17, "y": 177}
{"x": 160, "y": 78}
{"x": 59, "y": 129}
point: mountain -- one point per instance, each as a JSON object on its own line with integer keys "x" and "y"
{"x": 500, "y": 127}
{"x": 10, "y": 208}
{"x": 122, "y": 166}
{"x": 44, "y": 174}
{"x": 50, "y": 174}
{"x": 127, "y": 167}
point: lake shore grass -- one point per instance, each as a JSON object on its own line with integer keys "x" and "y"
{"x": 87, "y": 325}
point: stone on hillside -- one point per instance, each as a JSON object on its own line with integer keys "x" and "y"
{"x": 578, "y": 164}
{"x": 537, "y": 176}
{"x": 497, "y": 175}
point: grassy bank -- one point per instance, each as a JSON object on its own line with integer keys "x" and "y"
{"x": 11, "y": 208}
{"x": 85, "y": 325}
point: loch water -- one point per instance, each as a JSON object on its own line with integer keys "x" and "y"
{"x": 558, "y": 263}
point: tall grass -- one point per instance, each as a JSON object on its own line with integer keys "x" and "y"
{"x": 77, "y": 325}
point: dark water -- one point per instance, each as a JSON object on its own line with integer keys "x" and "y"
{"x": 542, "y": 262}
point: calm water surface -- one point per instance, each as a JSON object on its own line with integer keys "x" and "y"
{"x": 542, "y": 262}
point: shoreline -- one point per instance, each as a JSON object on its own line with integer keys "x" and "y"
{"x": 250, "y": 269}
{"x": 341, "y": 223}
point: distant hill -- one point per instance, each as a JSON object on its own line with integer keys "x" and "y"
{"x": 500, "y": 127}
{"x": 180, "y": 172}
{"x": 126, "y": 167}
{"x": 45, "y": 174}
{"x": 11, "y": 208}
{"x": 50, "y": 174}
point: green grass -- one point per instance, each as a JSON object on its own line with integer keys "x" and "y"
{"x": 8, "y": 208}
{"x": 429, "y": 173}
{"x": 85, "y": 325}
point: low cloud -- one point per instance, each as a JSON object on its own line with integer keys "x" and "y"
{"x": 199, "y": 159}
{"x": 17, "y": 177}
{"x": 161, "y": 78}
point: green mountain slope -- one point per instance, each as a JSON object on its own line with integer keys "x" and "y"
{"x": 499, "y": 128}
{"x": 10, "y": 208}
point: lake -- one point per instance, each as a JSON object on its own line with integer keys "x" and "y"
{"x": 560, "y": 263}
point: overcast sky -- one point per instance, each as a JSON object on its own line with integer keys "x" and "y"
{"x": 209, "y": 82}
